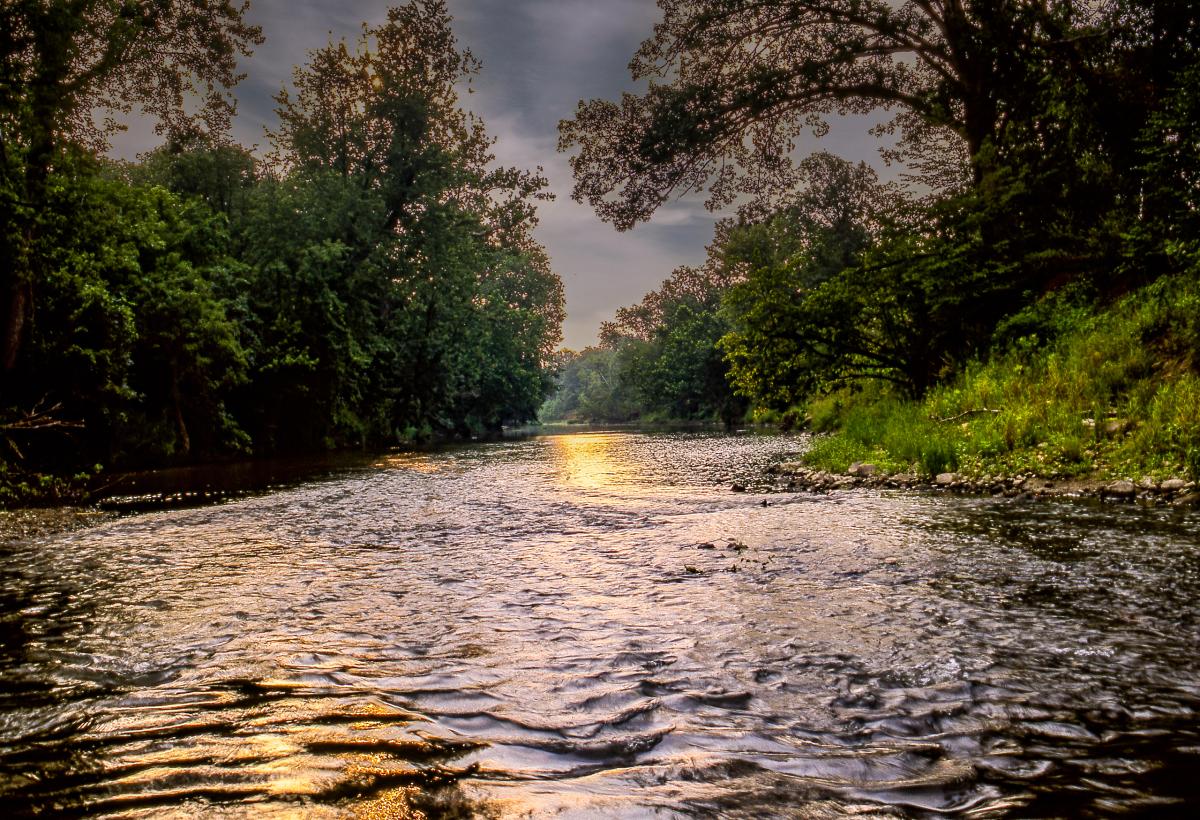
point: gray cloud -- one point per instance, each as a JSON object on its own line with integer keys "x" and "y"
{"x": 540, "y": 57}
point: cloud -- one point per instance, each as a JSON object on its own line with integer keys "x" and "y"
{"x": 540, "y": 57}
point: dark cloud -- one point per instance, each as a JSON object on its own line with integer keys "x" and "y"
{"x": 540, "y": 57}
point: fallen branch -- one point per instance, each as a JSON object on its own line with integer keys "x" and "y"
{"x": 39, "y": 419}
{"x": 968, "y": 413}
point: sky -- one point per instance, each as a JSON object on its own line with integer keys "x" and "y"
{"x": 540, "y": 58}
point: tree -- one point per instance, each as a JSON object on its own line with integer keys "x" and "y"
{"x": 1047, "y": 115}
{"x": 848, "y": 282}
{"x": 1170, "y": 156}
{"x": 188, "y": 354}
{"x": 590, "y": 388}
{"x": 520, "y": 307}
{"x": 311, "y": 308}
{"x": 221, "y": 176}
{"x": 703, "y": 285}
{"x": 732, "y": 83}
{"x": 387, "y": 114}
{"x": 61, "y": 61}
{"x": 669, "y": 365}
{"x": 1057, "y": 92}
{"x": 423, "y": 247}
{"x": 133, "y": 338}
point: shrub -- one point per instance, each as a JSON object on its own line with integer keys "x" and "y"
{"x": 1050, "y": 403}
{"x": 938, "y": 456}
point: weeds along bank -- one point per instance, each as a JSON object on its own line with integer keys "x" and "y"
{"x": 1098, "y": 395}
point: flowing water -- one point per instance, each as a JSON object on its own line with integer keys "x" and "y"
{"x": 594, "y": 625}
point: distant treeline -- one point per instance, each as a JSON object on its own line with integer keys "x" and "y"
{"x": 374, "y": 280}
{"x": 1051, "y": 165}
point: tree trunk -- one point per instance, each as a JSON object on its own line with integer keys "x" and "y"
{"x": 22, "y": 267}
{"x": 20, "y": 302}
{"x": 185, "y": 441}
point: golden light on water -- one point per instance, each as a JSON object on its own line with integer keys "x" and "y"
{"x": 588, "y": 460}
{"x": 393, "y": 804}
{"x": 415, "y": 462}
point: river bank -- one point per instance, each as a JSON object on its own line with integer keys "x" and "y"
{"x": 795, "y": 476}
{"x": 1081, "y": 400}
{"x": 42, "y": 498}
{"x": 40, "y": 522}
{"x": 206, "y": 482}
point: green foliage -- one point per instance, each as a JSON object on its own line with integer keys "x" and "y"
{"x": 589, "y": 388}
{"x": 824, "y": 302}
{"x": 878, "y": 426}
{"x": 659, "y": 359}
{"x": 18, "y": 487}
{"x": 132, "y": 337}
{"x": 221, "y": 176}
{"x": 1114, "y": 394}
{"x": 378, "y": 283}
{"x": 425, "y": 303}
{"x": 1056, "y": 150}
{"x": 63, "y": 63}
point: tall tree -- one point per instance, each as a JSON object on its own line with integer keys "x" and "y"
{"x": 442, "y": 281}
{"x": 974, "y": 85}
{"x": 63, "y": 64}
{"x": 733, "y": 83}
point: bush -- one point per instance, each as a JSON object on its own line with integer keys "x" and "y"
{"x": 938, "y": 456}
{"x": 1114, "y": 394}
{"x": 825, "y": 412}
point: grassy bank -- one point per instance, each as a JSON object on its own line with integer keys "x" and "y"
{"x": 1077, "y": 392}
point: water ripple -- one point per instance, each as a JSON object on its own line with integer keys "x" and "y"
{"x": 593, "y": 624}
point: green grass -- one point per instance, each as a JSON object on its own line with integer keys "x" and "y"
{"x": 888, "y": 432}
{"x": 1116, "y": 394}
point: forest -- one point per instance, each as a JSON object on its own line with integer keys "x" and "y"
{"x": 1018, "y": 290}
{"x": 371, "y": 281}
{"x": 1023, "y": 292}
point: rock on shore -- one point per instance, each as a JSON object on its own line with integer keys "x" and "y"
{"x": 795, "y": 476}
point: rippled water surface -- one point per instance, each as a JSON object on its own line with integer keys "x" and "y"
{"x": 592, "y": 624}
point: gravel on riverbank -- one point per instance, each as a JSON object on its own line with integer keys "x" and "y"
{"x": 795, "y": 476}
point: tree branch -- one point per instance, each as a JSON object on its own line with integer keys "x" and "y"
{"x": 966, "y": 413}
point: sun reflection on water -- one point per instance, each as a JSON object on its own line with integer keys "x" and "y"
{"x": 590, "y": 461}
{"x": 414, "y": 462}
{"x": 593, "y": 623}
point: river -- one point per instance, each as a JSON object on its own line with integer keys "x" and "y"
{"x": 591, "y": 625}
